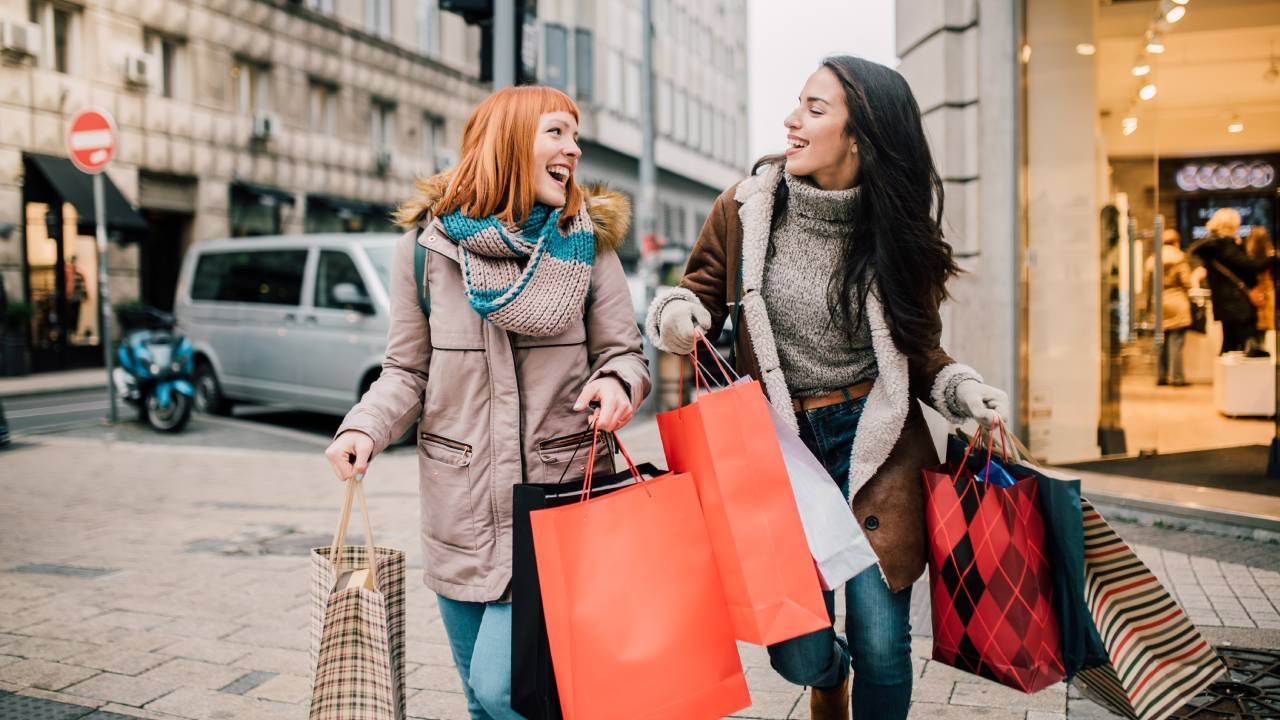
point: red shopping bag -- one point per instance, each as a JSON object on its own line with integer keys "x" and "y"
{"x": 989, "y": 577}
{"x": 726, "y": 440}
{"x": 635, "y": 615}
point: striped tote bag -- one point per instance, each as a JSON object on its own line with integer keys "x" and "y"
{"x": 1159, "y": 661}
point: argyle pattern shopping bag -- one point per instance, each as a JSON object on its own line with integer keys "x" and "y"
{"x": 989, "y": 578}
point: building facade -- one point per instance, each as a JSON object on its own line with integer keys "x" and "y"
{"x": 234, "y": 118}
{"x": 591, "y": 49}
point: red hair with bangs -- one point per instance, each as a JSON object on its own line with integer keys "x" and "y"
{"x": 495, "y": 175}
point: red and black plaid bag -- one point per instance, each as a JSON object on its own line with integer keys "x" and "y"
{"x": 989, "y": 577}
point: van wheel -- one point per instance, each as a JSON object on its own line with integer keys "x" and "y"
{"x": 209, "y": 398}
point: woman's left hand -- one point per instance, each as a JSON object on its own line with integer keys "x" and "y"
{"x": 983, "y": 403}
{"x": 615, "y": 409}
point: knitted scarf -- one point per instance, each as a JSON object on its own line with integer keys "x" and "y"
{"x": 531, "y": 280}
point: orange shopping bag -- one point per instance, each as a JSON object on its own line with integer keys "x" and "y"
{"x": 635, "y": 614}
{"x": 726, "y": 440}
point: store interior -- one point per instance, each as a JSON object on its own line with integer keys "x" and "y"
{"x": 1188, "y": 93}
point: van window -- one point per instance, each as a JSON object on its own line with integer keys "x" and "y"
{"x": 273, "y": 277}
{"x": 336, "y": 267}
{"x": 381, "y": 256}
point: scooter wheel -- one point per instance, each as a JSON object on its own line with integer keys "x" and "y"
{"x": 171, "y": 419}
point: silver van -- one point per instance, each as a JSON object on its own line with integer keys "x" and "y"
{"x": 295, "y": 320}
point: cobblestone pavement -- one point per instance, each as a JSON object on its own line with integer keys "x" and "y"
{"x": 164, "y": 581}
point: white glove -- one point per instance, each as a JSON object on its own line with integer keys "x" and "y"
{"x": 681, "y": 323}
{"x": 982, "y": 402}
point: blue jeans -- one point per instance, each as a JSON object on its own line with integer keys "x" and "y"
{"x": 877, "y": 640}
{"x": 480, "y": 638}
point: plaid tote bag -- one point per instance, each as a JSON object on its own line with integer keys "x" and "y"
{"x": 357, "y": 625}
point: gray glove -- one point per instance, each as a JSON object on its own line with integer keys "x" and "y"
{"x": 982, "y": 402}
{"x": 680, "y": 323}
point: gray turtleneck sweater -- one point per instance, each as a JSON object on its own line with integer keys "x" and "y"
{"x": 816, "y": 354}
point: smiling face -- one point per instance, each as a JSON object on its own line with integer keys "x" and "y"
{"x": 555, "y": 156}
{"x": 817, "y": 145}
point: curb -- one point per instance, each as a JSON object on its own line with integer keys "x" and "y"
{"x": 62, "y": 389}
{"x": 1186, "y": 516}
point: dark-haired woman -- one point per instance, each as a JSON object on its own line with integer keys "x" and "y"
{"x": 832, "y": 261}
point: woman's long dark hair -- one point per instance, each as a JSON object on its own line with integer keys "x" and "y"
{"x": 897, "y": 235}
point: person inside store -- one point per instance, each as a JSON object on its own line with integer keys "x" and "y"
{"x": 522, "y": 324}
{"x": 1175, "y": 305}
{"x": 1258, "y": 245}
{"x": 1233, "y": 276}
{"x": 838, "y": 262}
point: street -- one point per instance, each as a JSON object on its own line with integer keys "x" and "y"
{"x": 167, "y": 576}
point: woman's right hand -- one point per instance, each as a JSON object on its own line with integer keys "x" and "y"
{"x": 349, "y": 453}
{"x": 682, "y": 321}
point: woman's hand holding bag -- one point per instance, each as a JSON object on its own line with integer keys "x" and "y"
{"x": 984, "y": 403}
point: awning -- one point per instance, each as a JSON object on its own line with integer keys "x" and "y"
{"x": 354, "y": 207}
{"x": 76, "y": 188}
{"x": 266, "y": 195}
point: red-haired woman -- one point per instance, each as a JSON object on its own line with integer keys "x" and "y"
{"x": 525, "y": 319}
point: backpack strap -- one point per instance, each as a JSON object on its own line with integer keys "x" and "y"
{"x": 420, "y": 275}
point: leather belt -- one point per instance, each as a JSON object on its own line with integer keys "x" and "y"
{"x": 853, "y": 392}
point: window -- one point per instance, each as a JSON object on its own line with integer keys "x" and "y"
{"x": 557, "y": 55}
{"x": 249, "y": 81}
{"x": 681, "y": 106}
{"x": 695, "y": 123}
{"x": 664, "y": 112}
{"x": 432, "y": 142}
{"x": 708, "y": 128}
{"x": 429, "y": 27}
{"x": 321, "y": 6}
{"x": 615, "y": 80}
{"x": 272, "y": 277}
{"x": 377, "y": 17}
{"x": 61, "y": 27}
{"x": 584, "y": 65}
{"x": 322, "y": 107}
{"x": 337, "y": 268}
{"x": 169, "y": 54}
{"x": 382, "y": 125}
{"x": 633, "y": 89}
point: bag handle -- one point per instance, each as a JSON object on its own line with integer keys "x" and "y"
{"x": 355, "y": 488}
{"x": 591, "y": 464}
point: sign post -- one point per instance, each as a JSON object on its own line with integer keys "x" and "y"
{"x": 91, "y": 143}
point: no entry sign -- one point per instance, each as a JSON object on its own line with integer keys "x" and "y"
{"x": 91, "y": 140}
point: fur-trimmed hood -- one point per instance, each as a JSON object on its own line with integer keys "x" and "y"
{"x": 610, "y": 210}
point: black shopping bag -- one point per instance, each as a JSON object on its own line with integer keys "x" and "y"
{"x": 533, "y": 680}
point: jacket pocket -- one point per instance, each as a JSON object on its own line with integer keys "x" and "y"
{"x": 564, "y": 458}
{"x": 448, "y": 514}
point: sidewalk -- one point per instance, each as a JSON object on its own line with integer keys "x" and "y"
{"x": 62, "y": 381}
{"x": 172, "y": 582}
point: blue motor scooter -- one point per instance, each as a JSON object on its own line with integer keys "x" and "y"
{"x": 155, "y": 370}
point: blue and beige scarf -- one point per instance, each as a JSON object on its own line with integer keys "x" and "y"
{"x": 532, "y": 279}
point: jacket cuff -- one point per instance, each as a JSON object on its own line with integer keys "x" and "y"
{"x": 943, "y": 394}
{"x": 653, "y": 321}
{"x": 369, "y": 424}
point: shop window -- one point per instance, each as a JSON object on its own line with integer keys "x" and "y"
{"x": 336, "y": 268}
{"x": 64, "y": 296}
{"x": 271, "y": 277}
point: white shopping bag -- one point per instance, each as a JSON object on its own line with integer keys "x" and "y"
{"x": 837, "y": 543}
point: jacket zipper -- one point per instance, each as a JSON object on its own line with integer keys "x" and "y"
{"x": 446, "y": 442}
{"x": 565, "y": 441}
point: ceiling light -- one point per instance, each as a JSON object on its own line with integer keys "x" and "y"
{"x": 1148, "y": 91}
{"x": 1176, "y": 13}
{"x": 1141, "y": 69}
{"x": 1235, "y": 126}
{"x": 1086, "y": 49}
{"x": 1155, "y": 46}
{"x": 1182, "y": 2}
{"x": 1129, "y": 125}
